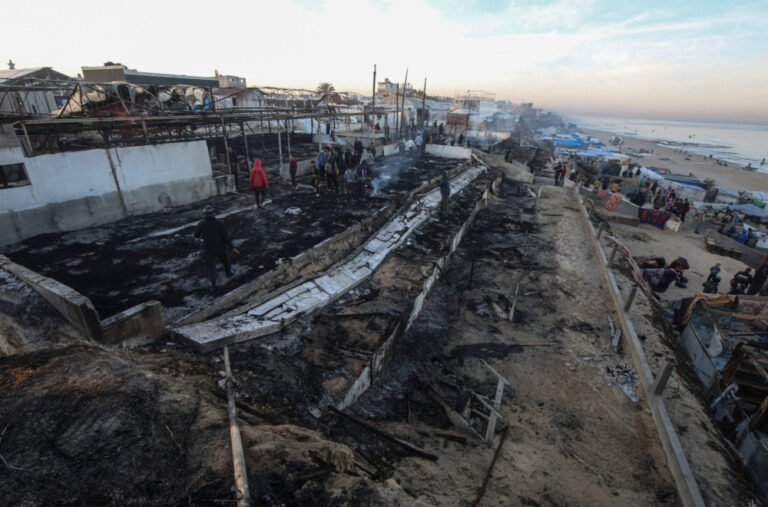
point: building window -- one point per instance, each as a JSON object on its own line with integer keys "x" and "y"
{"x": 13, "y": 175}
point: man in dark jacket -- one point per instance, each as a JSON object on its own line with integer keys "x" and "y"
{"x": 445, "y": 192}
{"x": 216, "y": 244}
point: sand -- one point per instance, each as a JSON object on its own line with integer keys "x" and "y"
{"x": 731, "y": 176}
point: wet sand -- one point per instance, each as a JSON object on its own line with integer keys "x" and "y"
{"x": 731, "y": 176}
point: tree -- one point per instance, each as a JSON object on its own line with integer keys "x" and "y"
{"x": 325, "y": 88}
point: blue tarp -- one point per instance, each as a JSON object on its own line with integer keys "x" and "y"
{"x": 562, "y": 142}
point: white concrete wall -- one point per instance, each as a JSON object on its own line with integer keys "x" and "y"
{"x": 73, "y": 190}
{"x": 449, "y": 151}
{"x": 57, "y": 178}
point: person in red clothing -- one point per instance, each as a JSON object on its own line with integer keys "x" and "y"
{"x": 292, "y": 168}
{"x": 259, "y": 183}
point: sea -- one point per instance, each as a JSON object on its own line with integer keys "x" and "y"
{"x": 740, "y": 143}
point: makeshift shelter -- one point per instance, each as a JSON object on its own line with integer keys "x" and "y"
{"x": 726, "y": 339}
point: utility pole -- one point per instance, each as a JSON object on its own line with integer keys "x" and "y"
{"x": 405, "y": 87}
{"x": 373, "y": 107}
{"x": 397, "y": 109}
{"x": 424, "y": 104}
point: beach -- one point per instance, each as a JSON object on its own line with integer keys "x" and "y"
{"x": 673, "y": 159}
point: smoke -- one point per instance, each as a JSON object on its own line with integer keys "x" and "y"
{"x": 387, "y": 174}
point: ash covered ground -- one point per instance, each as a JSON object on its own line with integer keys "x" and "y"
{"x": 121, "y": 264}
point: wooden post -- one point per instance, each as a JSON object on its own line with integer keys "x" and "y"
{"x": 402, "y": 107}
{"x": 226, "y": 145}
{"x": 663, "y": 377}
{"x": 238, "y": 456}
{"x": 373, "y": 107}
{"x": 424, "y": 104}
{"x": 288, "y": 130}
{"x": 146, "y": 132}
{"x": 245, "y": 142}
{"x": 613, "y": 255}
{"x": 631, "y": 298}
{"x": 280, "y": 151}
{"x": 397, "y": 109}
{"x": 29, "y": 142}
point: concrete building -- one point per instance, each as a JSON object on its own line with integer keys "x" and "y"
{"x": 231, "y": 81}
{"x": 119, "y": 72}
{"x": 33, "y": 91}
{"x": 238, "y": 98}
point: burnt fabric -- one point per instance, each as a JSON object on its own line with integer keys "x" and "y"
{"x": 655, "y": 217}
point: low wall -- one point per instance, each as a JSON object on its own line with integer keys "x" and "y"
{"x": 143, "y": 322}
{"x": 441, "y": 150}
{"x": 72, "y": 305}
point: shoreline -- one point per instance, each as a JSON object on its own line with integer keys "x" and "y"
{"x": 680, "y": 162}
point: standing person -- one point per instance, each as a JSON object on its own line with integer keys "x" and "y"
{"x": 440, "y": 130}
{"x": 684, "y": 209}
{"x": 216, "y": 244}
{"x": 461, "y": 138}
{"x": 368, "y": 162}
{"x": 360, "y": 177}
{"x": 349, "y": 177}
{"x": 445, "y": 192}
{"x": 507, "y": 153}
{"x": 358, "y": 146}
{"x": 258, "y": 181}
{"x": 341, "y": 169}
{"x": 330, "y": 176}
{"x": 322, "y": 158}
{"x": 453, "y": 140}
{"x": 557, "y": 175}
{"x": 418, "y": 141}
{"x": 315, "y": 176}
{"x": 563, "y": 172}
{"x": 714, "y": 271}
{"x": 757, "y": 282}
{"x": 293, "y": 167}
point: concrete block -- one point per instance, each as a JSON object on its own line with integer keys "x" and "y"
{"x": 143, "y": 324}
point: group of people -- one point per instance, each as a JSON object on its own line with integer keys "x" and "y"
{"x": 743, "y": 282}
{"x": 744, "y": 234}
{"x": 344, "y": 171}
{"x": 660, "y": 275}
{"x": 560, "y": 172}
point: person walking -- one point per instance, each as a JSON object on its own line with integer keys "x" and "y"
{"x": 258, "y": 182}
{"x": 445, "y": 192}
{"x": 216, "y": 245}
{"x": 293, "y": 167}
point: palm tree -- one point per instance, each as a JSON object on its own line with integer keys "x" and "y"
{"x": 323, "y": 88}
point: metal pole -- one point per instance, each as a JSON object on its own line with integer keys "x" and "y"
{"x": 397, "y": 109}
{"x": 631, "y": 298}
{"x": 226, "y": 145}
{"x": 402, "y": 107}
{"x": 661, "y": 380}
{"x": 245, "y": 142}
{"x": 373, "y": 107}
{"x": 424, "y": 104}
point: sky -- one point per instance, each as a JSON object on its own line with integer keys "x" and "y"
{"x": 667, "y": 59}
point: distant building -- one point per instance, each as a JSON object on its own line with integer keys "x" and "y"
{"x": 39, "y": 90}
{"x": 238, "y": 98}
{"x": 385, "y": 87}
{"x": 119, "y": 72}
{"x": 231, "y": 81}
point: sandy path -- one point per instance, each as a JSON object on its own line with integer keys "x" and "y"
{"x": 731, "y": 176}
